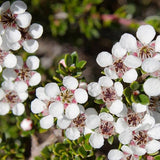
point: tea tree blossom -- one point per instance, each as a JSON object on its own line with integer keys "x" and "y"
{"x": 24, "y": 71}
{"x": 12, "y": 97}
{"x": 103, "y": 126}
{"x": 15, "y": 27}
{"x": 55, "y": 101}
{"x": 109, "y": 92}
{"x": 77, "y": 126}
{"x": 119, "y": 64}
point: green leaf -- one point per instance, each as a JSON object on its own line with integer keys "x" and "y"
{"x": 81, "y": 64}
{"x": 134, "y": 86}
{"x": 74, "y": 57}
{"x": 102, "y": 157}
{"x": 98, "y": 101}
{"x": 110, "y": 140}
{"x": 57, "y": 79}
{"x": 68, "y": 60}
{"x": 134, "y": 99}
{"x": 157, "y": 157}
{"x": 87, "y": 147}
{"x": 82, "y": 152}
{"x": 104, "y": 110}
{"x": 59, "y": 147}
{"x": 127, "y": 93}
{"x": 144, "y": 99}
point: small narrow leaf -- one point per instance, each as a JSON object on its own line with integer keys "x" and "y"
{"x": 144, "y": 99}
{"x": 110, "y": 140}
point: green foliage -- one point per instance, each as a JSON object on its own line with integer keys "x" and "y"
{"x": 77, "y": 15}
{"x": 135, "y": 94}
{"x": 67, "y": 150}
{"x": 71, "y": 66}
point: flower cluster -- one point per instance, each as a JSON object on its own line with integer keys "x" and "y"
{"x": 124, "y": 102}
{"x": 16, "y": 30}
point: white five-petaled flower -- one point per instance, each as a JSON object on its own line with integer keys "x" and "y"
{"x": 103, "y": 126}
{"x": 54, "y": 101}
{"x": 125, "y": 154}
{"x": 77, "y": 126}
{"x": 119, "y": 64}
{"x": 24, "y": 71}
{"x": 11, "y": 97}
{"x": 15, "y": 28}
{"x": 109, "y": 92}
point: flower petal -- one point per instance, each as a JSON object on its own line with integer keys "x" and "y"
{"x": 35, "y": 79}
{"x": 154, "y": 132}
{"x": 72, "y": 111}
{"x": 37, "y": 106}
{"x": 18, "y": 109}
{"x": 81, "y": 95}
{"x": 118, "y": 51}
{"x": 92, "y": 121}
{"x": 106, "y": 116}
{"x": 72, "y": 133}
{"x": 96, "y": 140}
{"x": 70, "y": 82}
{"x": 152, "y": 146}
{"x": 105, "y": 81}
{"x": 125, "y": 137}
{"x": 128, "y": 42}
{"x": 104, "y": 59}
{"x": 35, "y": 30}
{"x": 33, "y": 62}
{"x": 63, "y": 123}
{"x": 115, "y": 154}
{"x": 132, "y": 61}
{"x": 94, "y": 89}
{"x": 52, "y": 89}
{"x": 47, "y": 122}
{"x": 9, "y": 74}
{"x": 116, "y": 107}
{"x": 145, "y": 33}
{"x": 130, "y": 76}
{"x": 4, "y": 109}
{"x": 56, "y": 109}
{"x": 151, "y": 87}
{"x": 10, "y": 61}
{"x": 118, "y": 88}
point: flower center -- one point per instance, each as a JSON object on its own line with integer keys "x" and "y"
{"x": 140, "y": 138}
{"x": 146, "y": 52}
{"x": 106, "y": 128}
{"x": 12, "y": 97}
{"x": 108, "y": 95}
{"x": 8, "y": 19}
{"x": 24, "y": 33}
{"x": 133, "y": 119}
{"x": 119, "y": 67}
{"x": 79, "y": 121}
{"x": 67, "y": 96}
{"x": 23, "y": 74}
{"x": 154, "y": 103}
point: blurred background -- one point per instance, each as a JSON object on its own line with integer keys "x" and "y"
{"x": 88, "y": 26}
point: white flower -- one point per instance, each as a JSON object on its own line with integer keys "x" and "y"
{"x": 24, "y": 71}
{"x": 26, "y": 124}
{"x": 151, "y": 87}
{"x": 109, "y": 92}
{"x": 12, "y": 98}
{"x": 104, "y": 59}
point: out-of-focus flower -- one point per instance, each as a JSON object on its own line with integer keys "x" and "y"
{"x": 26, "y": 124}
